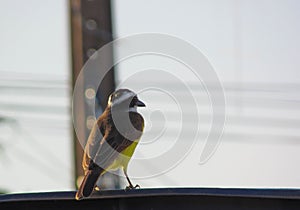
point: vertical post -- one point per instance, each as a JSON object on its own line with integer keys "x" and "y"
{"x": 77, "y": 63}
{"x": 96, "y": 32}
{"x": 91, "y": 28}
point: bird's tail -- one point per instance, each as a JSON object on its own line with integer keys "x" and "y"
{"x": 88, "y": 184}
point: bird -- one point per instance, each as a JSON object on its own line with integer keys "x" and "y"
{"x": 112, "y": 140}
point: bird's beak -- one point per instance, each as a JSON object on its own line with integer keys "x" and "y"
{"x": 140, "y": 103}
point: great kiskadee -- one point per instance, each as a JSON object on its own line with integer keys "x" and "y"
{"x": 112, "y": 140}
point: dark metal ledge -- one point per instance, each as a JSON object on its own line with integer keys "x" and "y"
{"x": 165, "y": 198}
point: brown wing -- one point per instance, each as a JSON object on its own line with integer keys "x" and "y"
{"x": 93, "y": 143}
{"x": 114, "y": 142}
{"x": 105, "y": 142}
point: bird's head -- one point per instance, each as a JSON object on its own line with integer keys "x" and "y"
{"x": 124, "y": 99}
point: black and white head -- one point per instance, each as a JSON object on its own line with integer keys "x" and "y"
{"x": 124, "y": 99}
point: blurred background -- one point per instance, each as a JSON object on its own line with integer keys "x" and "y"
{"x": 252, "y": 44}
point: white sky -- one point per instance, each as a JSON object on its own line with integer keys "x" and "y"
{"x": 34, "y": 36}
{"x": 246, "y": 40}
{"x": 34, "y": 52}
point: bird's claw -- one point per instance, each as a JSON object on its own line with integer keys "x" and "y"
{"x": 130, "y": 187}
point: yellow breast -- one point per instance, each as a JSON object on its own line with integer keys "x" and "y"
{"x": 123, "y": 159}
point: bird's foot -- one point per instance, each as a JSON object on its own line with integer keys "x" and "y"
{"x": 130, "y": 187}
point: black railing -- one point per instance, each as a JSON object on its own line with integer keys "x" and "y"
{"x": 167, "y": 198}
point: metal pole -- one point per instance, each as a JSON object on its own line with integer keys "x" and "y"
{"x": 91, "y": 28}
